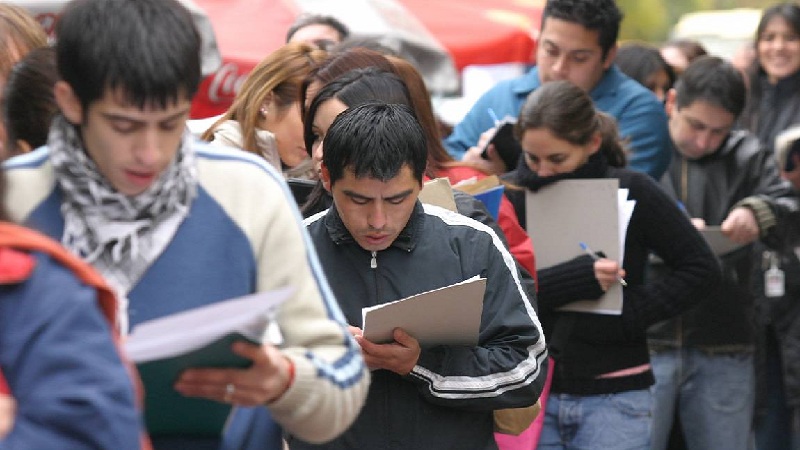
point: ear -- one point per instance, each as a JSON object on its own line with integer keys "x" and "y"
{"x": 325, "y": 177}
{"x": 610, "y": 57}
{"x": 669, "y": 104}
{"x": 595, "y": 143}
{"x": 68, "y": 102}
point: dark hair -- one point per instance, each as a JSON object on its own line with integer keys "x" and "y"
{"x": 355, "y": 88}
{"x": 29, "y": 105}
{"x": 641, "y": 61}
{"x": 602, "y": 16}
{"x": 716, "y": 81}
{"x": 790, "y": 12}
{"x": 569, "y": 114}
{"x": 375, "y": 140}
{"x": 367, "y": 42}
{"x": 305, "y": 20}
{"x": 338, "y": 64}
{"x": 149, "y": 50}
{"x": 690, "y": 48}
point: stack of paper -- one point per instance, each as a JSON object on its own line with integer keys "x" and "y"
{"x": 562, "y": 215}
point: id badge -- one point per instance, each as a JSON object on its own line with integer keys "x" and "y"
{"x": 774, "y": 285}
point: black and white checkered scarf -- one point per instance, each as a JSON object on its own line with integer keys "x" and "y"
{"x": 120, "y": 236}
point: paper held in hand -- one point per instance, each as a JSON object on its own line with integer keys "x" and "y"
{"x": 446, "y": 316}
{"x": 198, "y": 338}
{"x": 719, "y": 243}
{"x": 594, "y": 211}
{"x": 176, "y": 334}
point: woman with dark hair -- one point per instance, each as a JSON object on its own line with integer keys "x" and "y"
{"x": 414, "y": 94}
{"x": 679, "y": 53}
{"x": 774, "y": 102}
{"x": 29, "y": 105}
{"x": 645, "y": 64}
{"x": 773, "y": 108}
{"x": 602, "y": 365}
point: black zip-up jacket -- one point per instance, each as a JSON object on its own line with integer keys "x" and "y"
{"x": 446, "y": 402}
{"x": 740, "y": 172}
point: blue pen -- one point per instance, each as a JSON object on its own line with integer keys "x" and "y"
{"x": 596, "y": 257}
{"x": 493, "y": 116}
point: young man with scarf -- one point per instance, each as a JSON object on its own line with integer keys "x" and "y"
{"x": 173, "y": 224}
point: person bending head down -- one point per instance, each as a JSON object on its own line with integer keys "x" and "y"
{"x": 375, "y": 155}
{"x": 129, "y": 102}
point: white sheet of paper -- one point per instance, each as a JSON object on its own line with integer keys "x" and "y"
{"x": 625, "y": 212}
{"x": 566, "y": 213}
{"x": 449, "y": 315}
{"x": 176, "y": 334}
{"x": 719, "y": 243}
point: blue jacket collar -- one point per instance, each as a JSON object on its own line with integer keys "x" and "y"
{"x": 608, "y": 84}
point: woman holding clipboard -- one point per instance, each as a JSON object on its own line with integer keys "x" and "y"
{"x": 600, "y": 394}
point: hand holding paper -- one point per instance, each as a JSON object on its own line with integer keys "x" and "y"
{"x": 741, "y": 226}
{"x": 399, "y": 356}
{"x": 264, "y": 381}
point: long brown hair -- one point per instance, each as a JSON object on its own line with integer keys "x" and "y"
{"x": 569, "y": 114}
{"x": 280, "y": 73}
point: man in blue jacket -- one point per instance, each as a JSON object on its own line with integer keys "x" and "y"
{"x": 378, "y": 244}
{"x": 577, "y": 43}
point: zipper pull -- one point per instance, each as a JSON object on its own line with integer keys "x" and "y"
{"x": 373, "y": 262}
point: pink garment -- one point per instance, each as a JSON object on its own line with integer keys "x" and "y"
{"x": 528, "y": 439}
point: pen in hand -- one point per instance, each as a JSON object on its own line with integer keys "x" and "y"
{"x": 596, "y": 256}
{"x": 493, "y": 116}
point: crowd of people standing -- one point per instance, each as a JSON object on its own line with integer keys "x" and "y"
{"x": 117, "y": 209}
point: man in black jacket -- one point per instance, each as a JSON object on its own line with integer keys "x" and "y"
{"x": 378, "y": 244}
{"x": 703, "y": 360}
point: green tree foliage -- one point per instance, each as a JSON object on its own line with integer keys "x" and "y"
{"x": 651, "y": 20}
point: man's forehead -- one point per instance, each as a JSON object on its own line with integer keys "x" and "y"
{"x": 120, "y": 101}
{"x": 579, "y": 37}
{"x": 708, "y": 114}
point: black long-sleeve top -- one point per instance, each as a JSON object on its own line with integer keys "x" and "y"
{"x": 585, "y": 345}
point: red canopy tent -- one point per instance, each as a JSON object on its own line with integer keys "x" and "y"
{"x": 482, "y": 31}
{"x": 441, "y": 35}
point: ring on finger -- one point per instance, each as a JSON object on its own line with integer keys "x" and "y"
{"x": 230, "y": 389}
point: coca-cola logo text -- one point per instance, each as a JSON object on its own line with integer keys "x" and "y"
{"x": 226, "y": 82}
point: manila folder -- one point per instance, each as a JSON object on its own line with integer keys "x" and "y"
{"x": 446, "y": 316}
{"x": 562, "y": 215}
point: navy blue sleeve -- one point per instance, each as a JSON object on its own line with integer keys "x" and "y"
{"x": 56, "y": 351}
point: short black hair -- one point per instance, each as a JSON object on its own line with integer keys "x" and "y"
{"x": 713, "y": 80}
{"x": 602, "y": 16}
{"x": 149, "y": 50}
{"x": 641, "y": 61}
{"x": 375, "y": 140}
{"x": 305, "y": 20}
{"x": 355, "y": 88}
